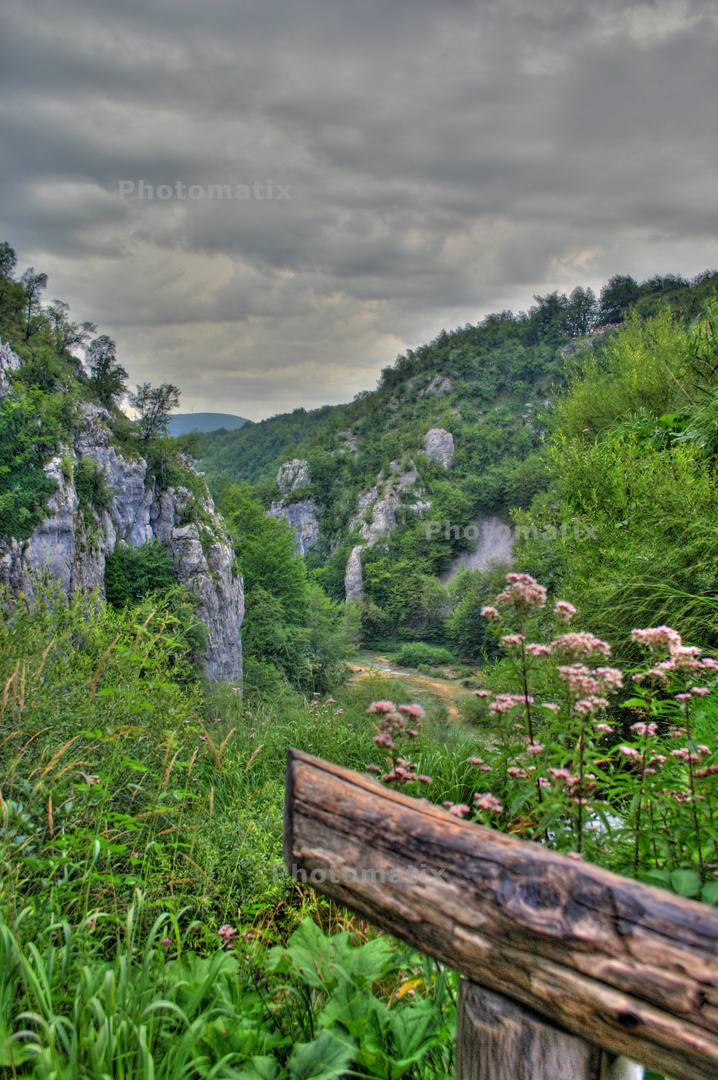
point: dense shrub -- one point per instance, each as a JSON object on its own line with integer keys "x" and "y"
{"x": 414, "y": 653}
{"x": 132, "y": 573}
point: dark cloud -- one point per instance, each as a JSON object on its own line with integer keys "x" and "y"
{"x": 443, "y": 160}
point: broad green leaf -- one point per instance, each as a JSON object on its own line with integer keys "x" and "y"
{"x": 686, "y": 882}
{"x": 709, "y": 893}
{"x": 327, "y": 1057}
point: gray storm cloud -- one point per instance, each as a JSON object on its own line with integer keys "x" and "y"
{"x": 439, "y": 160}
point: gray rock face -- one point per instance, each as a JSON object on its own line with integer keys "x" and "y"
{"x": 494, "y": 543}
{"x": 9, "y": 361}
{"x": 72, "y": 545}
{"x": 302, "y": 517}
{"x": 436, "y": 387}
{"x": 353, "y": 583}
{"x": 439, "y": 446}
{"x": 383, "y": 518}
{"x": 293, "y": 475}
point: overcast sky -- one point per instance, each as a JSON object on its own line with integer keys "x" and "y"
{"x": 430, "y": 161}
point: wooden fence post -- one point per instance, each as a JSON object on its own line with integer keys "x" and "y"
{"x": 627, "y": 967}
{"x": 497, "y": 1039}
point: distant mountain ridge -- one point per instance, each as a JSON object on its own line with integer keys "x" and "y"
{"x": 183, "y": 423}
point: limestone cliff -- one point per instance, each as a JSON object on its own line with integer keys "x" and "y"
{"x": 301, "y": 514}
{"x": 73, "y": 540}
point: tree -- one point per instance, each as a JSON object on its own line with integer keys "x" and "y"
{"x": 154, "y": 405}
{"x": 617, "y": 297}
{"x": 107, "y": 377}
{"x": 33, "y": 286}
{"x": 582, "y": 312}
{"x": 68, "y": 335}
{"x": 8, "y": 260}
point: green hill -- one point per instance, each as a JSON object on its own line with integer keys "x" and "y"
{"x": 184, "y": 423}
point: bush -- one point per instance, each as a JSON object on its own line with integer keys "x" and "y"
{"x": 132, "y": 573}
{"x": 414, "y": 653}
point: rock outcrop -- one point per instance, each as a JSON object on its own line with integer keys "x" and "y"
{"x": 383, "y": 518}
{"x": 353, "y": 582}
{"x": 301, "y": 514}
{"x": 72, "y": 542}
{"x": 439, "y": 446}
{"x": 293, "y": 475}
{"x": 9, "y": 361}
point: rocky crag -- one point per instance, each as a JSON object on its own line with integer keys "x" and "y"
{"x": 301, "y": 514}
{"x": 376, "y": 508}
{"x": 74, "y": 539}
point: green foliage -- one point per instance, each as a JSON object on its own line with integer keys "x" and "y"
{"x": 414, "y": 653}
{"x": 290, "y": 625}
{"x": 154, "y": 405}
{"x": 133, "y": 573}
{"x": 108, "y": 379}
{"x": 91, "y": 486}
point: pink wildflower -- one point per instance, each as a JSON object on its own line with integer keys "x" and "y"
{"x": 683, "y": 697}
{"x": 373, "y": 768}
{"x": 165, "y": 941}
{"x": 489, "y": 612}
{"x": 702, "y": 749}
{"x": 413, "y": 710}
{"x": 228, "y": 934}
{"x": 384, "y": 739}
{"x": 550, "y": 705}
{"x": 523, "y": 592}
{"x": 605, "y": 728}
{"x": 629, "y": 751}
{"x": 658, "y": 638}
{"x": 534, "y": 748}
{"x": 560, "y": 774}
{"x": 576, "y": 855}
{"x": 475, "y": 760}
{"x": 575, "y": 645}
{"x": 382, "y": 707}
{"x": 487, "y": 801}
{"x": 563, "y": 610}
{"x": 536, "y": 649}
{"x": 512, "y": 639}
{"x": 424, "y": 779}
{"x": 92, "y": 779}
{"x": 700, "y": 691}
{"x": 482, "y": 693}
{"x": 458, "y": 809}
{"x": 485, "y": 768}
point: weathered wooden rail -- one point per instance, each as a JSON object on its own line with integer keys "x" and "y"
{"x": 567, "y": 963}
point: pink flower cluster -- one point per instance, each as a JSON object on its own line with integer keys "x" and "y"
{"x": 660, "y": 639}
{"x": 589, "y": 687}
{"x": 457, "y": 809}
{"x": 506, "y": 702}
{"x": 487, "y": 801}
{"x": 534, "y": 649}
{"x": 564, "y": 611}
{"x": 227, "y": 935}
{"x": 523, "y": 592}
{"x": 580, "y": 644}
{"x": 489, "y": 612}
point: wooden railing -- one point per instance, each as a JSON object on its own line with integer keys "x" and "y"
{"x": 573, "y": 972}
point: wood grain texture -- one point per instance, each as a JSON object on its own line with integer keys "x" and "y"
{"x": 497, "y": 1039}
{"x": 630, "y": 968}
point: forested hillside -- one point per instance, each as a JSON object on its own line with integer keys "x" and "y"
{"x": 508, "y": 392}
